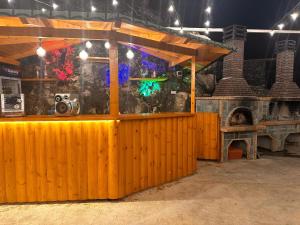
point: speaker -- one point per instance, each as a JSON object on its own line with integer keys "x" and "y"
{"x": 66, "y": 105}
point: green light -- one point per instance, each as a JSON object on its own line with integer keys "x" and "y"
{"x": 148, "y": 88}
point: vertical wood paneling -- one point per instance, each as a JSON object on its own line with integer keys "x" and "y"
{"x": 169, "y": 155}
{"x": 207, "y": 136}
{"x": 59, "y": 161}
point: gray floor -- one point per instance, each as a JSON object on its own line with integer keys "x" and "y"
{"x": 266, "y": 191}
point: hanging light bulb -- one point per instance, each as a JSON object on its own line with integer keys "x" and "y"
{"x": 44, "y": 10}
{"x": 208, "y": 10}
{"x": 9, "y": 1}
{"x": 93, "y": 8}
{"x": 177, "y": 22}
{"x": 207, "y": 23}
{"x": 171, "y": 8}
{"x": 41, "y": 52}
{"x": 54, "y": 6}
{"x": 181, "y": 30}
{"x": 207, "y": 31}
{"x": 83, "y": 55}
{"x": 88, "y": 45}
{"x": 294, "y": 16}
{"x": 272, "y": 33}
{"x": 107, "y": 45}
{"x": 115, "y": 3}
{"x": 130, "y": 54}
{"x": 281, "y": 26}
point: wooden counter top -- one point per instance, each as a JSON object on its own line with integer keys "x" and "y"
{"x": 93, "y": 117}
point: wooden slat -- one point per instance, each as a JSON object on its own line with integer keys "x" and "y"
{"x": 193, "y": 85}
{"x": 208, "y": 136}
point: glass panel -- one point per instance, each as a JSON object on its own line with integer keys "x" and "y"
{"x": 149, "y": 85}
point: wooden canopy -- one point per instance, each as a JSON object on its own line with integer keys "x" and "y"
{"x": 19, "y": 38}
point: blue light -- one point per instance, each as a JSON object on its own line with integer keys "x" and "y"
{"x": 124, "y": 72}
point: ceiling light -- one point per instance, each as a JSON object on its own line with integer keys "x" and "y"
{"x": 294, "y": 16}
{"x": 177, "y": 22}
{"x": 207, "y": 31}
{"x": 181, "y": 30}
{"x": 54, "y": 6}
{"x": 207, "y": 23}
{"x": 272, "y": 33}
{"x": 115, "y": 3}
{"x": 83, "y": 55}
{"x": 41, "y": 52}
{"x": 9, "y": 1}
{"x": 208, "y": 10}
{"x": 44, "y": 10}
{"x": 88, "y": 44}
{"x": 130, "y": 54}
{"x": 171, "y": 8}
{"x": 281, "y": 26}
{"x": 93, "y": 8}
{"x": 107, "y": 45}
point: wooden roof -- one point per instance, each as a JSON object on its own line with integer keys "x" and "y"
{"x": 19, "y": 38}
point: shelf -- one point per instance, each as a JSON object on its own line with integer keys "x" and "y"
{"x": 157, "y": 79}
{"x": 97, "y": 59}
{"x": 39, "y": 80}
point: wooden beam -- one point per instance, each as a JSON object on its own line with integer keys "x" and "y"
{"x": 17, "y": 40}
{"x": 10, "y": 61}
{"x": 48, "y": 46}
{"x": 155, "y": 44}
{"x": 45, "y": 32}
{"x": 114, "y": 79}
{"x": 193, "y": 85}
{"x": 180, "y": 60}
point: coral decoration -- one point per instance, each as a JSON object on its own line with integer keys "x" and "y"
{"x": 63, "y": 62}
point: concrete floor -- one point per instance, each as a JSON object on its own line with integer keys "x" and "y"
{"x": 262, "y": 192}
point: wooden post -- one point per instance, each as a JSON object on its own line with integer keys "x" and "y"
{"x": 114, "y": 79}
{"x": 193, "y": 84}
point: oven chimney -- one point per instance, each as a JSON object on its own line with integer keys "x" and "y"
{"x": 233, "y": 82}
{"x": 285, "y": 87}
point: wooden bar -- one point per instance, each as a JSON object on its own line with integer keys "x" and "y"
{"x": 44, "y": 161}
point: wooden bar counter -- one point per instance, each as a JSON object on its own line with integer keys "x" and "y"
{"x": 92, "y": 157}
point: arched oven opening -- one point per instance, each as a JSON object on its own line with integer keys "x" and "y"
{"x": 238, "y": 149}
{"x": 292, "y": 144}
{"x": 241, "y": 116}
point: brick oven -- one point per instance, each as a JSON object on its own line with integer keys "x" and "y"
{"x": 248, "y": 120}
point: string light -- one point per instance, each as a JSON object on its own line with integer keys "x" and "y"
{"x": 294, "y": 16}
{"x": 207, "y": 23}
{"x": 171, "y": 8}
{"x": 83, "y": 55}
{"x": 281, "y": 26}
{"x": 115, "y": 3}
{"x": 88, "y": 44}
{"x": 107, "y": 45}
{"x": 130, "y": 54}
{"x": 181, "y": 30}
{"x": 177, "y": 22}
{"x": 54, "y": 6}
{"x": 208, "y": 10}
{"x": 272, "y": 33}
{"x": 207, "y": 31}
{"x": 93, "y": 8}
